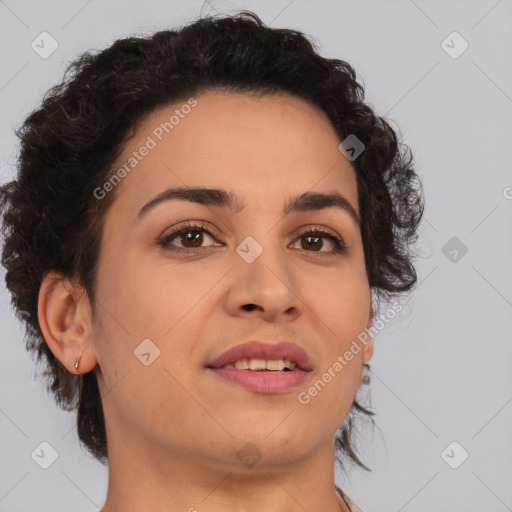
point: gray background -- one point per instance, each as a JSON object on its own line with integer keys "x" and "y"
{"x": 442, "y": 369}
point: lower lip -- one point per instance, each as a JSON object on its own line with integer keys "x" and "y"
{"x": 263, "y": 381}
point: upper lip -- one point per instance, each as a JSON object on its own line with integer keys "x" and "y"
{"x": 263, "y": 350}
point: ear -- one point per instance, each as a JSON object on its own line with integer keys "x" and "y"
{"x": 65, "y": 321}
{"x": 368, "y": 347}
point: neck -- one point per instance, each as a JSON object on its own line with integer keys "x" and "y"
{"x": 141, "y": 480}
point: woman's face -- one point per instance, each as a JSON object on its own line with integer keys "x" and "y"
{"x": 166, "y": 311}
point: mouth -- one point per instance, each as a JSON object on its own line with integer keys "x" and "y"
{"x": 261, "y": 356}
{"x": 263, "y": 367}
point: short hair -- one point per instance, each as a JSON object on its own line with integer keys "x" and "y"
{"x": 51, "y": 219}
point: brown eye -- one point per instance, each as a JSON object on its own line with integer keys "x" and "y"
{"x": 313, "y": 241}
{"x": 190, "y": 237}
{"x": 194, "y": 237}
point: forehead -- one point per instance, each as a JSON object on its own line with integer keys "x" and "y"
{"x": 256, "y": 146}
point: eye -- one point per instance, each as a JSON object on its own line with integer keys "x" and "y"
{"x": 191, "y": 238}
{"x": 313, "y": 239}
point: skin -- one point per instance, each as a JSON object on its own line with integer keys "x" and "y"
{"x": 173, "y": 428}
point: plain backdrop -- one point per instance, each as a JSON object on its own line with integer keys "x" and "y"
{"x": 442, "y": 385}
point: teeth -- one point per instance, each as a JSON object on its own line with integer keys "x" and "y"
{"x": 262, "y": 364}
{"x": 242, "y": 364}
{"x": 257, "y": 364}
{"x": 275, "y": 365}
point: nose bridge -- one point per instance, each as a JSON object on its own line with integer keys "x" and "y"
{"x": 263, "y": 275}
{"x": 263, "y": 256}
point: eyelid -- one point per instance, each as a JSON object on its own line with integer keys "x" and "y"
{"x": 192, "y": 225}
{"x": 315, "y": 227}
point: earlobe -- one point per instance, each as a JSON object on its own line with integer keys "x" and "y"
{"x": 368, "y": 351}
{"x": 64, "y": 324}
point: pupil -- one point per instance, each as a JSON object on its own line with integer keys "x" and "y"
{"x": 193, "y": 238}
{"x": 316, "y": 238}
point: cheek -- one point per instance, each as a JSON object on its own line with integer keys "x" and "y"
{"x": 167, "y": 303}
{"x": 148, "y": 298}
{"x": 342, "y": 300}
{"x": 149, "y": 312}
{"x": 343, "y": 311}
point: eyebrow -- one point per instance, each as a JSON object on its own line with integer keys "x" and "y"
{"x": 221, "y": 198}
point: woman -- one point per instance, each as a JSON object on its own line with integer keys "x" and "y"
{"x": 203, "y": 226}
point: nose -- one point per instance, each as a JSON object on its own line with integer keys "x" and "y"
{"x": 264, "y": 288}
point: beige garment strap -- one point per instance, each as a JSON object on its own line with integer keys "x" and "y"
{"x": 351, "y": 505}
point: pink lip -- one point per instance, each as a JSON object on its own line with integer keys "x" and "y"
{"x": 261, "y": 350}
{"x": 263, "y": 381}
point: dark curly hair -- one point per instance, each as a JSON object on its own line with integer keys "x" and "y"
{"x": 52, "y": 220}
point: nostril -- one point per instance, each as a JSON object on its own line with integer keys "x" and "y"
{"x": 249, "y": 307}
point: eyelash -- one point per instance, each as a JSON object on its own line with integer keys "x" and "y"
{"x": 165, "y": 240}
